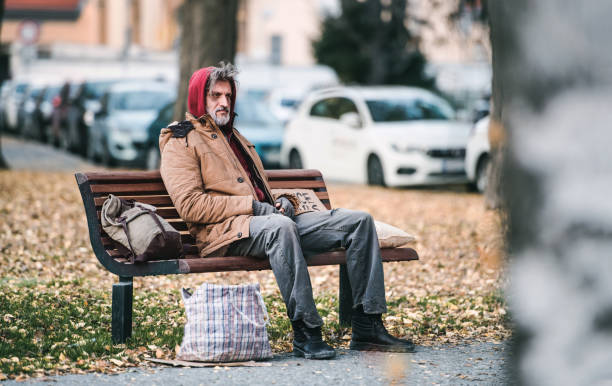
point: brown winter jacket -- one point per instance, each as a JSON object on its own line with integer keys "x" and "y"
{"x": 207, "y": 184}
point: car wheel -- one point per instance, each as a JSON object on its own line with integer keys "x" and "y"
{"x": 73, "y": 137}
{"x": 376, "y": 175}
{"x": 64, "y": 139}
{"x": 26, "y": 130}
{"x": 482, "y": 174}
{"x": 295, "y": 161}
{"x": 106, "y": 158}
{"x": 91, "y": 149}
{"x": 152, "y": 158}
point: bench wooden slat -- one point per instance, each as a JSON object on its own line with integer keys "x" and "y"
{"x": 247, "y": 263}
{"x": 167, "y": 213}
{"x": 132, "y": 176}
{"x": 155, "y": 200}
{"x": 147, "y": 187}
{"x": 293, "y": 174}
{"x": 188, "y": 250}
{"x": 193, "y": 263}
{"x": 107, "y": 242}
{"x": 166, "y": 201}
{"x": 299, "y": 184}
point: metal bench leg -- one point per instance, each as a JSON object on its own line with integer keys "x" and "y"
{"x": 345, "y": 298}
{"x": 122, "y": 310}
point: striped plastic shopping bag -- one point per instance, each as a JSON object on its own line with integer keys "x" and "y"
{"x": 225, "y": 323}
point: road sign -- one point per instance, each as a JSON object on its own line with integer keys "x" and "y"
{"x": 29, "y": 32}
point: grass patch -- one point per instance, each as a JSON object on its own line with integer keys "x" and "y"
{"x": 62, "y": 326}
{"x": 59, "y": 325}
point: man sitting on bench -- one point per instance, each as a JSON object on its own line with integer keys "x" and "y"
{"x": 218, "y": 186}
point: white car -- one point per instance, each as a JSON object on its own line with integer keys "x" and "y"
{"x": 390, "y": 136}
{"x": 477, "y": 158}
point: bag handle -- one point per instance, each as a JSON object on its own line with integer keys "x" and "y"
{"x": 260, "y": 301}
{"x": 154, "y": 215}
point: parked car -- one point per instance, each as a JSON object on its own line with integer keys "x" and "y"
{"x": 151, "y": 156}
{"x": 28, "y": 109}
{"x": 253, "y": 120}
{"x": 81, "y": 108}
{"x": 477, "y": 156}
{"x": 5, "y": 90}
{"x": 394, "y": 136}
{"x": 15, "y": 95}
{"x": 119, "y": 131}
{"x": 37, "y": 125}
{"x": 284, "y": 102}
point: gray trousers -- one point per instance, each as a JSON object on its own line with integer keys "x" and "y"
{"x": 286, "y": 242}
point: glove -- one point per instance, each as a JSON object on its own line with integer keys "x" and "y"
{"x": 287, "y": 207}
{"x": 263, "y": 208}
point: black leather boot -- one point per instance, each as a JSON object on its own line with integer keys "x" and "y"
{"x": 308, "y": 342}
{"x": 369, "y": 334}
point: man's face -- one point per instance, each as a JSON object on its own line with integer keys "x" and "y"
{"x": 218, "y": 102}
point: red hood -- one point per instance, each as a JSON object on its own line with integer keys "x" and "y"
{"x": 196, "y": 99}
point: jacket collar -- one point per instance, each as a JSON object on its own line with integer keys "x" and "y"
{"x": 206, "y": 123}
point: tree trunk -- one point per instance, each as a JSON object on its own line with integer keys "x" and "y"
{"x": 3, "y": 163}
{"x": 497, "y": 138}
{"x": 556, "y": 94}
{"x": 209, "y": 35}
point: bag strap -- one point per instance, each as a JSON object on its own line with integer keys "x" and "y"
{"x": 127, "y": 234}
{"x": 130, "y": 203}
{"x": 261, "y": 305}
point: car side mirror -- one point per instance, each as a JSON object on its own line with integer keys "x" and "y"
{"x": 100, "y": 113}
{"x": 351, "y": 119}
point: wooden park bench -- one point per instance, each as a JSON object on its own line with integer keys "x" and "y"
{"x": 149, "y": 188}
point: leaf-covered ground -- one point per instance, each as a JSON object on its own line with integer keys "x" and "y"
{"x": 55, "y": 296}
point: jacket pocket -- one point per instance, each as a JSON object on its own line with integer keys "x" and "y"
{"x": 213, "y": 166}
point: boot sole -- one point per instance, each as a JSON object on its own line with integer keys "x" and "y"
{"x": 300, "y": 353}
{"x": 363, "y": 346}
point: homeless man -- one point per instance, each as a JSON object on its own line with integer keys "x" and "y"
{"x": 218, "y": 185}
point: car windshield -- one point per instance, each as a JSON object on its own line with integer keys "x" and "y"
{"x": 140, "y": 100}
{"x": 50, "y": 93}
{"x": 94, "y": 90}
{"x": 34, "y": 93}
{"x": 21, "y": 88}
{"x": 287, "y": 102}
{"x": 253, "y": 112}
{"x": 409, "y": 109}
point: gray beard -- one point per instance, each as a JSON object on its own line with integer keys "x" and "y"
{"x": 219, "y": 121}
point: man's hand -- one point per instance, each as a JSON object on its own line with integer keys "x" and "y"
{"x": 263, "y": 208}
{"x": 285, "y": 207}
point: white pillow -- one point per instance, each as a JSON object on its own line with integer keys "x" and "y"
{"x": 390, "y": 236}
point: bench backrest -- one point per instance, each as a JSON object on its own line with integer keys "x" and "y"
{"x": 149, "y": 188}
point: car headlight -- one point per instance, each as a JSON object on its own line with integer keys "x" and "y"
{"x": 406, "y": 149}
{"x": 88, "y": 117}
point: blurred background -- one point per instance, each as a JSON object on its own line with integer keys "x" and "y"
{"x": 100, "y": 78}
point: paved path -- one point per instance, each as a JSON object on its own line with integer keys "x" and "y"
{"x": 479, "y": 363}
{"x": 29, "y": 155}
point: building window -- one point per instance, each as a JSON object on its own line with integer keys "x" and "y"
{"x": 276, "y": 49}
{"x": 103, "y": 22}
